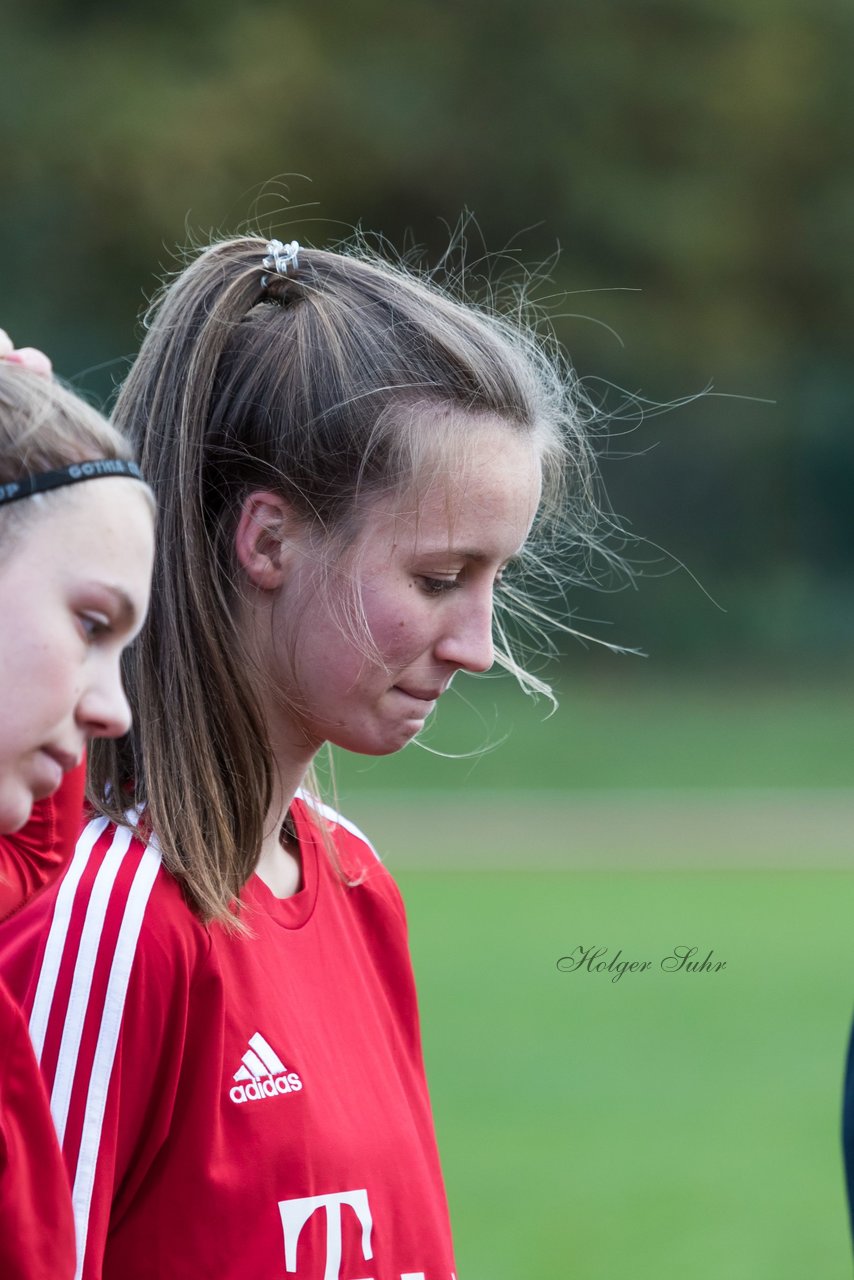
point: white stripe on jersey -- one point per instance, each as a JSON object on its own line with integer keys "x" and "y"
{"x": 81, "y": 984}
{"x": 108, "y": 1035}
{"x": 58, "y": 930}
{"x": 338, "y": 818}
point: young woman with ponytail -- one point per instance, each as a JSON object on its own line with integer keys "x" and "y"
{"x": 345, "y": 460}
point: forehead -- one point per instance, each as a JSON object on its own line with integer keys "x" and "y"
{"x": 480, "y": 498}
{"x": 102, "y": 528}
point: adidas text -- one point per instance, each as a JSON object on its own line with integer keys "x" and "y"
{"x": 268, "y": 1087}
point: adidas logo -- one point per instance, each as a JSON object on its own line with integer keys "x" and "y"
{"x": 265, "y": 1073}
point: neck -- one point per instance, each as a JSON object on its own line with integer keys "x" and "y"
{"x": 279, "y": 863}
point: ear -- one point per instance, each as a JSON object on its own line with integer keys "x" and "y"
{"x": 266, "y": 524}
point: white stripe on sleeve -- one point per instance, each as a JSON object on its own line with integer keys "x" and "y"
{"x": 81, "y": 984}
{"x": 58, "y": 930}
{"x": 333, "y": 815}
{"x": 105, "y": 1051}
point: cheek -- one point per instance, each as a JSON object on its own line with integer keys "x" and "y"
{"x": 40, "y": 689}
{"x": 12, "y": 741}
{"x": 315, "y": 656}
{"x": 365, "y": 639}
{"x": 397, "y": 631}
{"x": 389, "y": 623}
{"x": 60, "y": 679}
{"x": 36, "y": 711}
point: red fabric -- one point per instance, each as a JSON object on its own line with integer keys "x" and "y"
{"x": 250, "y": 1104}
{"x": 32, "y": 857}
{"x": 36, "y": 1224}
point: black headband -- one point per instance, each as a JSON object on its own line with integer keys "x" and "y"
{"x": 42, "y": 481}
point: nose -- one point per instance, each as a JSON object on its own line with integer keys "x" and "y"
{"x": 103, "y": 710}
{"x": 467, "y": 642}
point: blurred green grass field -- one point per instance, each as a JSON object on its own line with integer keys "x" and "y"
{"x": 667, "y": 1124}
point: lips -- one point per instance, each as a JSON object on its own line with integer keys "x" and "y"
{"x": 65, "y": 759}
{"x": 47, "y": 776}
{"x": 420, "y": 695}
{"x": 55, "y": 763}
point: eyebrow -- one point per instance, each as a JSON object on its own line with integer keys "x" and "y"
{"x": 476, "y": 556}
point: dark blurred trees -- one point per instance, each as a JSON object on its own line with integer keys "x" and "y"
{"x": 690, "y": 157}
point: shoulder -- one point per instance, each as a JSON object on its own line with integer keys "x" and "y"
{"x": 105, "y": 957}
{"x": 349, "y": 840}
{"x": 120, "y": 881}
{"x": 115, "y": 910}
{"x": 358, "y": 860}
{"x": 118, "y": 877}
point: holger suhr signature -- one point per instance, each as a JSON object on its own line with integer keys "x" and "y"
{"x": 680, "y": 960}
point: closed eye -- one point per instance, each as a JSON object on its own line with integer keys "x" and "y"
{"x": 94, "y": 625}
{"x": 435, "y": 586}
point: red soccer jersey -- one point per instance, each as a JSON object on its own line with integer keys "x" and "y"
{"x": 234, "y": 1105}
{"x": 36, "y": 1227}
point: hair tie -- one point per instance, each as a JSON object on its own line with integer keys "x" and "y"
{"x": 280, "y": 258}
{"x": 42, "y": 481}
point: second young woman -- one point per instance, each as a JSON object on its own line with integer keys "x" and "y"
{"x": 76, "y": 544}
{"x": 345, "y": 461}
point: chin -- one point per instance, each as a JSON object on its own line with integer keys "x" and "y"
{"x": 384, "y": 745}
{"x": 16, "y": 805}
{"x": 389, "y": 750}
